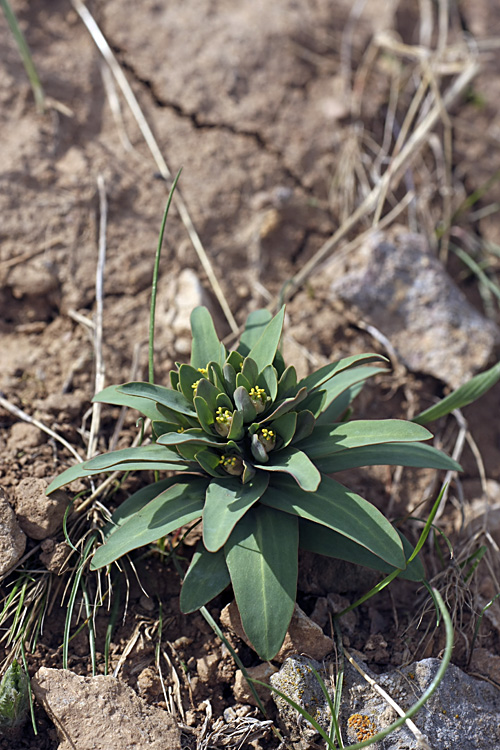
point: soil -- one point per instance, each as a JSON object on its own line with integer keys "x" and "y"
{"x": 253, "y": 101}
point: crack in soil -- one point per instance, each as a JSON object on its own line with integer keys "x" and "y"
{"x": 199, "y": 124}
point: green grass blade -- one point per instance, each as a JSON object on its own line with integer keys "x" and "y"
{"x": 26, "y": 57}
{"x": 466, "y": 394}
{"x": 154, "y": 285}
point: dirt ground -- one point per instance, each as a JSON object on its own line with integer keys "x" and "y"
{"x": 283, "y": 116}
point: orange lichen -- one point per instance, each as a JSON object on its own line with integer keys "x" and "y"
{"x": 362, "y": 726}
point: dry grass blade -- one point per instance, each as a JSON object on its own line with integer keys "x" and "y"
{"x": 161, "y": 164}
{"x": 98, "y": 326}
{"x": 377, "y": 689}
{"x": 20, "y": 414}
{"x": 399, "y": 162}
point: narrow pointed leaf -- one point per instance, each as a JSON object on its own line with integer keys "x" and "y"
{"x": 227, "y": 500}
{"x": 297, "y": 464}
{"x": 332, "y": 388}
{"x": 195, "y": 437}
{"x": 206, "y": 416}
{"x": 338, "y": 408}
{"x": 178, "y": 505}
{"x": 317, "y": 378}
{"x": 268, "y": 380}
{"x": 264, "y": 350}
{"x": 171, "y": 399}
{"x": 254, "y": 326}
{"x": 328, "y": 439}
{"x": 137, "y": 501}
{"x": 418, "y": 455}
{"x": 336, "y": 507}
{"x": 206, "y": 344}
{"x": 324, "y": 541}
{"x": 261, "y": 555}
{"x": 466, "y": 394}
{"x": 206, "y": 578}
{"x": 112, "y": 395}
{"x": 289, "y": 404}
{"x": 287, "y": 382}
{"x": 148, "y": 458}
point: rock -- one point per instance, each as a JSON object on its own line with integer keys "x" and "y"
{"x": 405, "y": 292}
{"x": 99, "y": 713}
{"x": 24, "y": 436}
{"x": 303, "y": 635}
{"x": 39, "y": 516}
{"x": 485, "y": 663}
{"x": 463, "y": 713}
{"x": 207, "y": 667}
{"x": 182, "y": 295}
{"x": 241, "y": 689}
{"x": 297, "y": 680}
{"x": 12, "y": 538}
{"x": 55, "y": 556}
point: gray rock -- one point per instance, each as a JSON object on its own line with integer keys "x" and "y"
{"x": 12, "y": 538}
{"x": 99, "y": 713}
{"x": 39, "y": 516}
{"x": 463, "y": 713}
{"x": 405, "y": 292}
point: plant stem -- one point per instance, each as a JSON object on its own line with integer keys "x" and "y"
{"x": 154, "y": 285}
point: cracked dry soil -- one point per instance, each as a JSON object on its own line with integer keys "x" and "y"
{"x": 249, "y": 99}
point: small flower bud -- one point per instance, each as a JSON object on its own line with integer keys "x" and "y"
{"x": 267, "y": 438}
{"x": 232, "y": 464}
{"x": 259, "y": 398}
{"x": 223, "y": 421}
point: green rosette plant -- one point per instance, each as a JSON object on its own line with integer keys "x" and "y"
{"x": 14, "y": 698}
{"x": 252, "y": 448}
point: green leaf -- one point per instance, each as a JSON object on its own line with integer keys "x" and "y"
{"x": 297, "y": 464}
{"x": 236, "y": 432}
{"x": 224, "y": 401}
{"x": 261, "y": 555}
{"x": 305, "y": 425}
{"x": 194, "y": 437}
{"x": 338, "y": 408}
{"x": 242, "y": 382}
{"x": 324, "y": 541}
{"x": 287, "y": 405}
{"x": 206, "y": 344}
{"x": 244, "y": 404}
{"x": 466, "y": 394}
{"x": 208, "y": 392}
{"x": 285, "y": 427}
{"x": 206, "y": 416}
{"x": 209, "y": 462}
{"x": 143, "y": 458}
{"x": 268, "y": 380}
{"x": 249, "y": 370}
{"x": 336, "y": 507}
{"x": 417, "y": 455}
{"x": 227, "y": 500}
{"x": 235, "y": 360}
{"x": 328, "y": 439}
{"x": 176, "y": 506}
{"x": 229, "y": 374}
{"x": 188, "y": 376}
{"x": 337, "y": 385}
{"x": 287, "y": 383}
{"x": 255, "y": 325}
{"x": 14, "y": 698}
{"x": 264, "y": 350}
{"x": 137, "y": 501}
{"x": 112, "y": 395}
{"x": 171, "y": 399}
{"x": 206, "y": 578}
{"x": 317, "y": 378}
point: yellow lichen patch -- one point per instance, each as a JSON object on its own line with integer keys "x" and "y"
{"x": 362, "y": 726}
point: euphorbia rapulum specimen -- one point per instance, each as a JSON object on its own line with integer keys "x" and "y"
{"x": 252, "y": 449}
